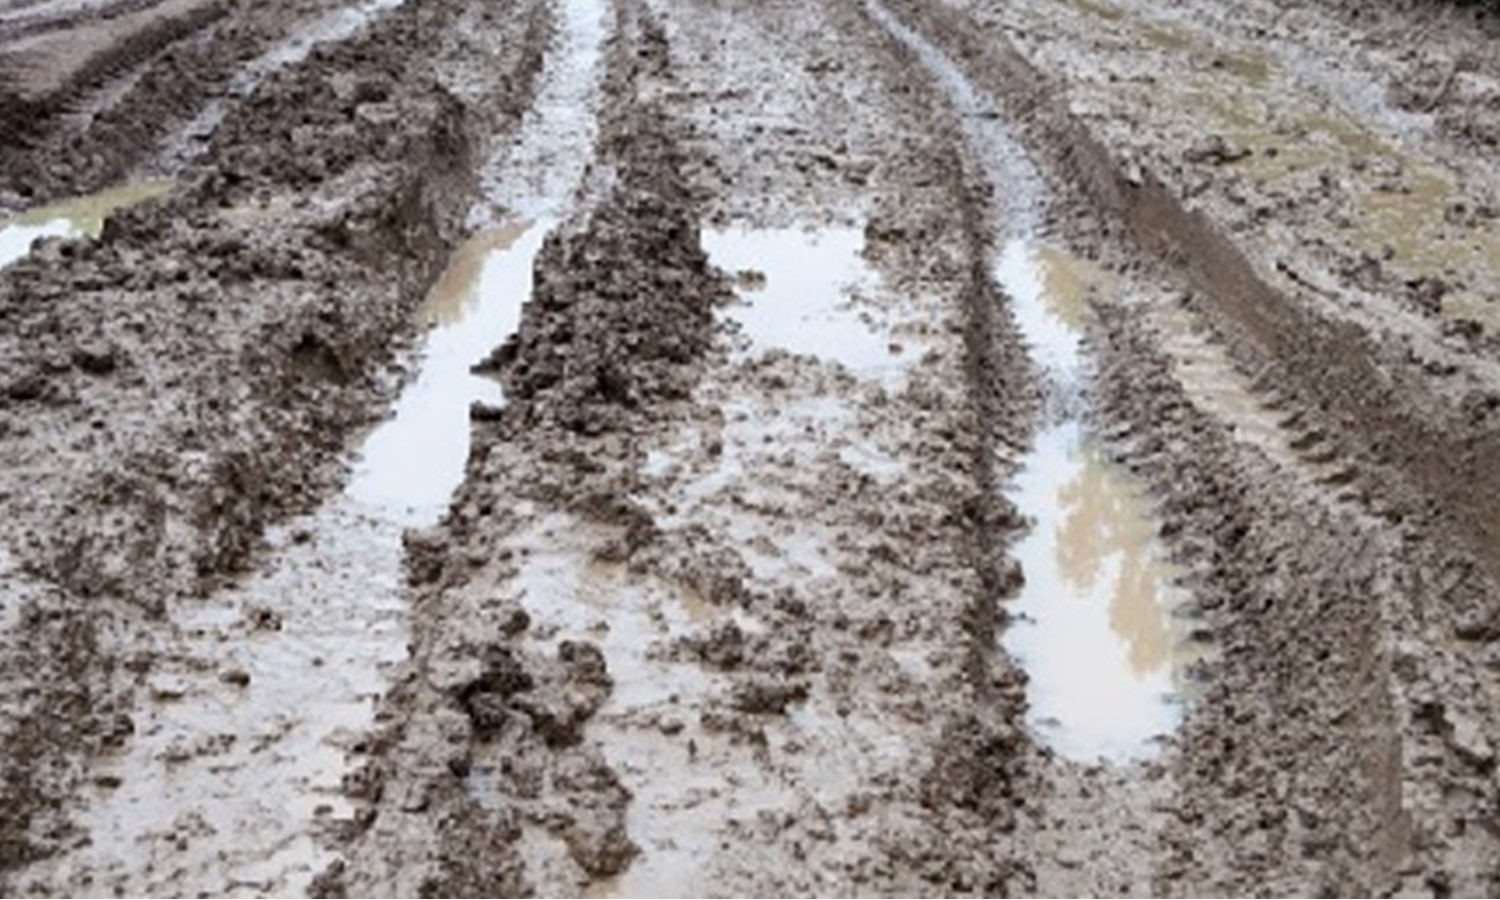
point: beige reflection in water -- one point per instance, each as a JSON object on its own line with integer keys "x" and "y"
{"x": 86, "y": 215}
{"x": 455, "y": 292}
{"x": 1095, "y": 633}
{"x": 1070, "y": 283}
{"x": 1106, "y": 521}
{"x": 80, "y": 217}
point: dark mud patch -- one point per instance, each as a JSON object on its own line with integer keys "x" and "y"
{"x": 78, "y": 137}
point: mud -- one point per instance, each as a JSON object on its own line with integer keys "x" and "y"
{"x": 644, "y": 448}
{"x": 195, "y": 375}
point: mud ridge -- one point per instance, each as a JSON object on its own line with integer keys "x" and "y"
{"x": 620, "y": 310}
{"x": 986, "y": 769}
{"x": 1334, "y": 713}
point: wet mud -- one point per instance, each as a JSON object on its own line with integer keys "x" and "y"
{"x": 645, "y": 448}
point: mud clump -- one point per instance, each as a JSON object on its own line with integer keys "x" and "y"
{"x": 623, "y": 305}
{"x": 599, "y": 340}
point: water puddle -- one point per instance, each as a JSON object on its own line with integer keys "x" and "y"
{"x": 1095, "y": 631}
{"x": 1094, "y": 619}
{"x": 412, "y": 464}
{"x": 80, "y": 217}
{"x": 1050, "y": 294}
{"x": 806, "y": 292}
{"x": 1102, "y": 10}
{"x": 1254, "y": 67}
{"x": 1094, "y": 626}
{"x": 339, "y": 25}
{"x": 748, "y": 472}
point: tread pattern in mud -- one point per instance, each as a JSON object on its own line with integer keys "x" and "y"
{"x": 709, "y": 614}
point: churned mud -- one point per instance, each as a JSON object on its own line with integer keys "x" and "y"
{"x": 727, "y": 447}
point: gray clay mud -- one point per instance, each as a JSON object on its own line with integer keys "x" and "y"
{"x": 748, "y": 447}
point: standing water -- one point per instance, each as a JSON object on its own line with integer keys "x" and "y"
{"x": 81, "y": 217}
{"x": 809, "y": 304}
{"x": 410, "y": 467}
{"x": 1093, "y": 625}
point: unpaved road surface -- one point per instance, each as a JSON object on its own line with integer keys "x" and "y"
{"x": 728, "y": 447}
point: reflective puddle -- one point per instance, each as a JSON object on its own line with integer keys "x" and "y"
{"x": 1051, "y": 293}
{"x": 412, "y": 464}
{"x": 80, "y": 217}
{"x": 1094, "y": 619}
{"x": 806, "y": 292}
{"x": 1094, "y": 626}
{"x": 1095, "y": 632}
{"x": 232, "y": 784}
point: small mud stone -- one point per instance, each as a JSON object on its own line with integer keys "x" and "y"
{"x": 236, "y": 677}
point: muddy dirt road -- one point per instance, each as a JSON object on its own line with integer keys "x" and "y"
{"x": 714, "y": 447}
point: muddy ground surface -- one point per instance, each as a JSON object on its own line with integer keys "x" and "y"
{"x": 819, "y": 352}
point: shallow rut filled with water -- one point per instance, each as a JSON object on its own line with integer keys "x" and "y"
{"x": 714, "y": 447}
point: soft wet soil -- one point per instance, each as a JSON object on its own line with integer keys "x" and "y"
{"x": 646, "y": 448}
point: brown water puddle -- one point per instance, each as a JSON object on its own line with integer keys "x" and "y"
{"x": 410, "y": 466}
{"x": 1252, "y": 66}
{"x": 1400, "y": 217}
{"x": 1070, "y": 284}
{"x": 79, "y": 217}
{"x": 1095, "y": 628}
